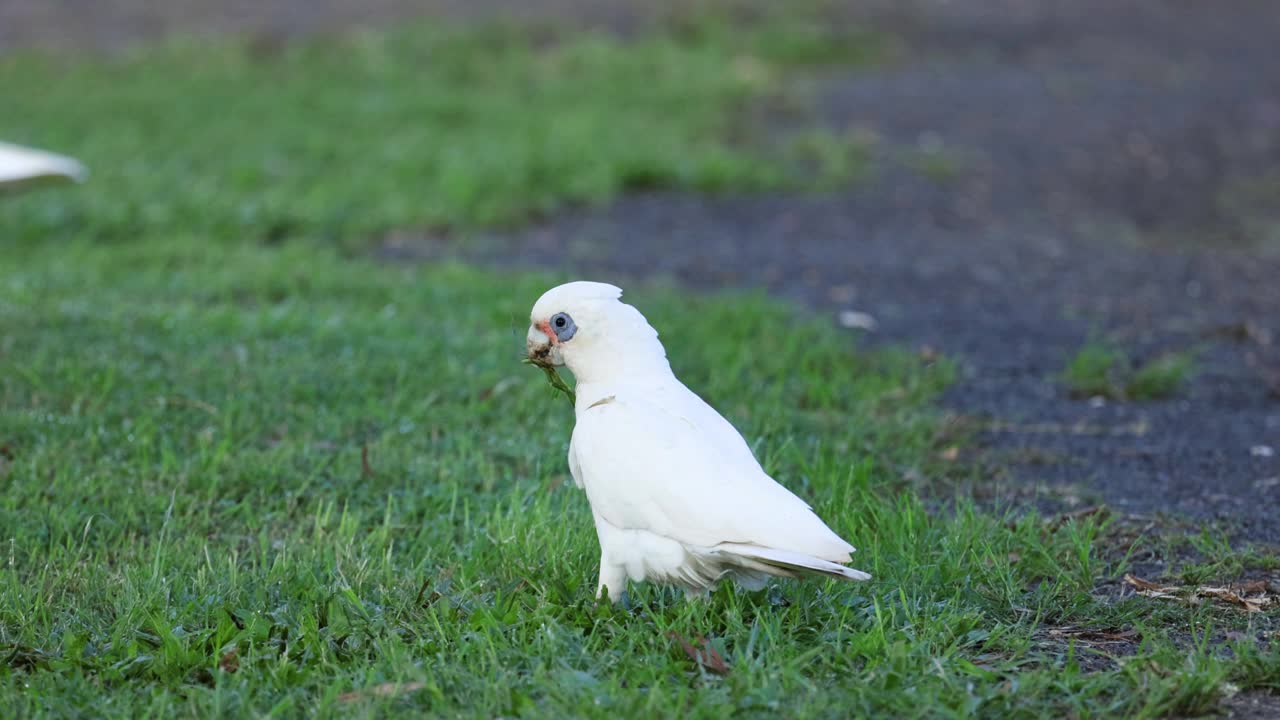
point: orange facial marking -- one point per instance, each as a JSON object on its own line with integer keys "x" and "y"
{"x": 545, "y": 327}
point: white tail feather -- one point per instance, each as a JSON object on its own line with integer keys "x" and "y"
{"x": 787, "y": 563}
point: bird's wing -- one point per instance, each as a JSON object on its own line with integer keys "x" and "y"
{"x": 21, "y": 165}
{"x": 575, "y": 470}
{"x": 647, "y": 467}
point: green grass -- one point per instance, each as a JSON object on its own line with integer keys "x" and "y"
{"x": 247, "y": 478}
{"x": 1091, "y": 371}
{"x": 339, "y": 475}
{"x": 427, "y": 127}
{"x": 1100, "y": 369}
{"x": 940, "y": 164}
{"x": 834, "y": 160}
{"x": 1161, "y": 377}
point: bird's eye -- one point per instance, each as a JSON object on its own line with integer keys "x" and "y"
{"x": 564, "y": 326}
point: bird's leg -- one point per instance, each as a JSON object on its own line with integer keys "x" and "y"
{"x": 612, "y": 581}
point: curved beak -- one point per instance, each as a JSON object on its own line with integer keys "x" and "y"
{"x": 541, "y": 344}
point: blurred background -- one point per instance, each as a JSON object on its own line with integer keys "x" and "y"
{"x": 1077, "y": 202}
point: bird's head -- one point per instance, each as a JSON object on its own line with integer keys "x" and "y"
{"x": 585, "y": 327}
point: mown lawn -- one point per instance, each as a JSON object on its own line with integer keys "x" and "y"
{"x": 248, "y": 474}
{"x": 344, "y": 137}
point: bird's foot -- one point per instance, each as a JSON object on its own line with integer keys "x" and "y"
{"x": 605, "y": 595}
{"x": 622, "y": 602}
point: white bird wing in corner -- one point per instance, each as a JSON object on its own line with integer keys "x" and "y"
{"x": 22, "y": 166}
{"x": 645, "y": 467}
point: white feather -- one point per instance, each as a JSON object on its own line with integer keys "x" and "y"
{"x": 675, "y": 491}
{"x": 20, "y": 166}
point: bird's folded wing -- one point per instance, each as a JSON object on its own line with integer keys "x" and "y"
{"x": 647, "y": 468}
{"x": 21, "y": 165}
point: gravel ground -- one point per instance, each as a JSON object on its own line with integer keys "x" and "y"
{"x": 1046, "y": 171}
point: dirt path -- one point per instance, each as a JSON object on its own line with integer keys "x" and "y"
{"x": 1047, "y": 170}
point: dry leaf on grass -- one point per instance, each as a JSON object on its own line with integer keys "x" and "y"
{"x": 1257, "y": 587}
{"x": 1144, "y": 585}
{"x": 383, "y": 690}
{"x": 1250, "y": 597}
{"x": 1101, "y": 511}
{"x": 230, "y": 661}
{"x": 1250, "y": 604}
{"x": 1096, "y": 636}
{"x": 708, "y": 657}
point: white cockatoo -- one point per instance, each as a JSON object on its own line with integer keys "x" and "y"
{"x": 676, "y": 493}
{"x": 23, "y": 166}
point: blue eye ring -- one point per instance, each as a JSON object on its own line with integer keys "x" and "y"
{"x": 563, "y": 326}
